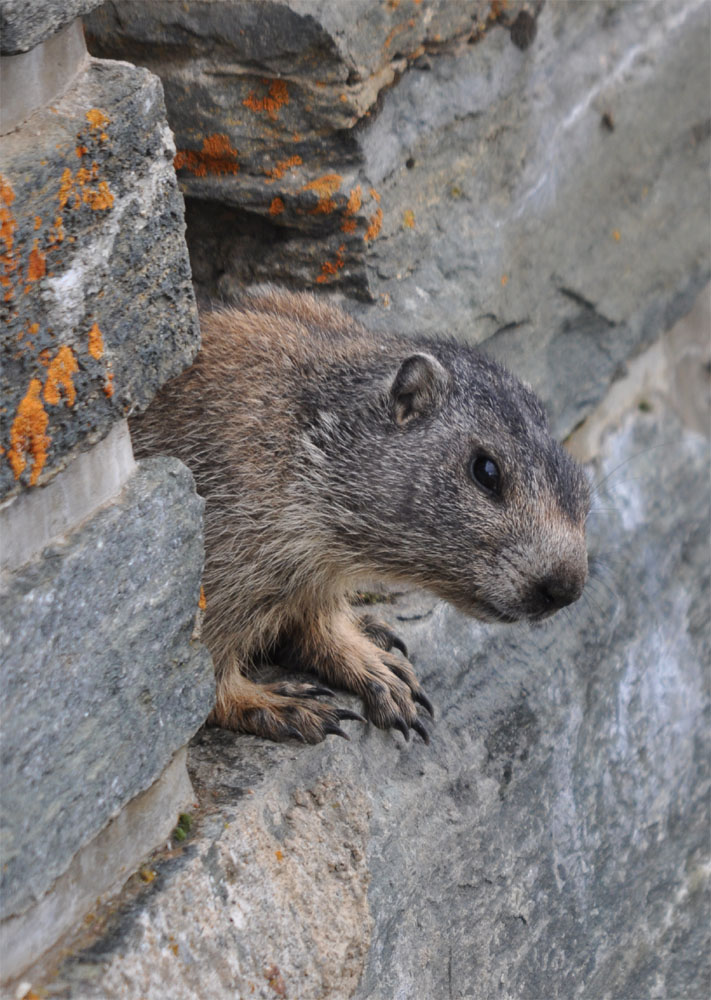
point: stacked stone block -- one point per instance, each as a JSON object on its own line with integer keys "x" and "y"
{"x": 102, "y": 682}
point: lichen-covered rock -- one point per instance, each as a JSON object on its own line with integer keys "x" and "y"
{"x": 24, "y": 25}
{"x": 101, "y": 681}
{"x": 552, "y": 841}
{"x": 548, "y": 194}
{"x": 264, "y": 99}
{"x": 97, "y": 307}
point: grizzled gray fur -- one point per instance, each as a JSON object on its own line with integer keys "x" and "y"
{"x": 330, "y": 456}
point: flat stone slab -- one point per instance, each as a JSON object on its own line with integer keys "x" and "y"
{"x": 551, "y": 842}
{"x": 97, "y": 308}
{"x": 102, "y": 683}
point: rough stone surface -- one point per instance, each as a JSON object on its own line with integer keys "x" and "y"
{"x": 30, "y": 521}
{"x": 24, "y": 25}
{"x": 551, "y": 200}
{"x": 98, "y": 307}
{"x": 101, "y": 681}
{"x": 99, "y": 868}
{"x": 552, "y": 842}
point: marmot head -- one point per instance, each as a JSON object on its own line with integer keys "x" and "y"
{"x": 440, "y": 469}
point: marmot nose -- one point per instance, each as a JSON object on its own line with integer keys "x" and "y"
{"x": 558, "y": 590}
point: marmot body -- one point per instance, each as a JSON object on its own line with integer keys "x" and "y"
{"x": 329, "y": 456}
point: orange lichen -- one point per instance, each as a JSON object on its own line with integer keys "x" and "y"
{"x": 616, "y": 235}
{"x": 330, "y": 268}
{"x": 97, "y": 198}
{"x": 202, "y": 600}
{"x": 27, "y": 434}
{"x": 408, "y": 219}
{"x": 324, "y": 187}
{"x": 276, "y": 98}
{"x": 109, "y": 385}
{"x": 8, "y": 225}
{"x": 277, "y": 172}
{"x": 98, "y": 122}
{"x": 66, "y": 187}
{"x": 374, "y": 194}
{"x": 36, "y": 264}
{"x": 101, "y": 198}
{"x": 81, "y": 151}
{"x": 276, "y": 207}
{"x": 355, "y": 200}
{"x": 61, "y": 369}
{"x": 504, "y": 280}
{"x": 96, "y": 342}
{"x": 38, "y": 221}
{"x": 217, "y": 156}
{"x": 96, "y": 118}
{"x": 374, "y": 225}
{"x": 56, "y": 233}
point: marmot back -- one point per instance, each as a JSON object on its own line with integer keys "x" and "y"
{"x": 330, "y": 456}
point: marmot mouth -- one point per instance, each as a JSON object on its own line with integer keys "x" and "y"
{"x": 486, "y": 611}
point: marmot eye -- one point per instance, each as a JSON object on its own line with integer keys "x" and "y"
{"x": 485, "y": 472}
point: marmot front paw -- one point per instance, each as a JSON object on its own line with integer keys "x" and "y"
{"x": 355, "y": 655}
{"x": 280, "y": 711}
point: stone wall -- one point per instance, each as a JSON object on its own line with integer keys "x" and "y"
{"x": 415, "y": 159}
{"x": 102, "y": 684}
{"x": 532, "y": 176}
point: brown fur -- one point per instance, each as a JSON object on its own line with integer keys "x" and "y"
{"x": 329, "y": 455}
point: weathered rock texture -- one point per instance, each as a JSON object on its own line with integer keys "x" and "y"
{"x": 552, "y": 842}
{"x": 552, "y": 199}
{"x": 98, "y": 308}
{"x": 101, "y": 683}
{"x": 24, "y": 25}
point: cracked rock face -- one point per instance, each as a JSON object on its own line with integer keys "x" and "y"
{"x": 549, "y": 198}
{"x": 551, "y": 841}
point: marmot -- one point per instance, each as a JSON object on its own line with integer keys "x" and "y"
{"x": 329, "y": 455}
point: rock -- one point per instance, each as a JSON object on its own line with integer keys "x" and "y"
{"x": 98, "y": 307}
{"x": 23, "y": 25}
{"x": 552, "y": 841}
{"x": 500, "y": 193}
{"x": 143, "y": 824}
{"x": 101, "y": 681}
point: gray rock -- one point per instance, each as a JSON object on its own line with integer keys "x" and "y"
{"x": 551, "y": 201}
{"x": 24, "y": 25}
{"x": 98, "y": 306}
{"x": 552, "y": 842}
{"x": 101, "y": 681}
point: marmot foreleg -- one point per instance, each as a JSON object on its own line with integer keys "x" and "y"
{"x": 339, "y": 648}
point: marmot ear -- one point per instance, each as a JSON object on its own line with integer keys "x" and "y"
{"x": 419, "y": 387}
